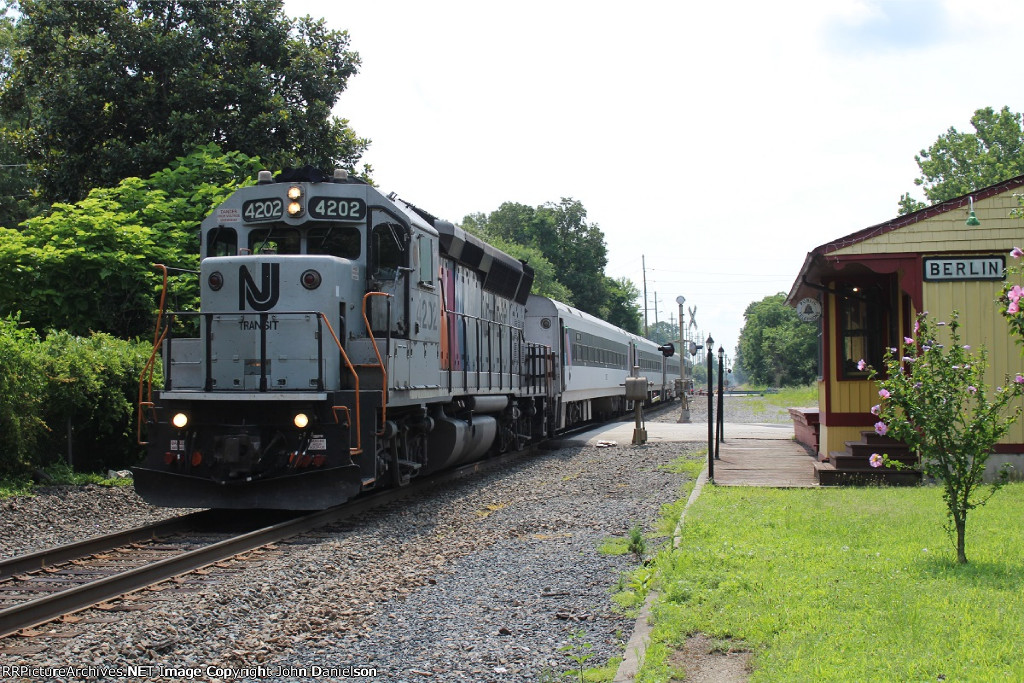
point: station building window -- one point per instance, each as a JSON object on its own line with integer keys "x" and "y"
{"x": 862, "y": 317}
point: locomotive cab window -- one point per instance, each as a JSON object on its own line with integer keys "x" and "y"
{"x": 275, "y": 241}
{"x": 337, "y": 240}
{"x": 425, "y": 260}
{"x": 389, "y": 240}
{"x": 222, "y": 241}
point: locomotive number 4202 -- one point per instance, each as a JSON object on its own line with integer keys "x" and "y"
{"x": 336, "y": 208}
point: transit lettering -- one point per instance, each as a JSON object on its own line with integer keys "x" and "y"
{"x": 257, "y": 325}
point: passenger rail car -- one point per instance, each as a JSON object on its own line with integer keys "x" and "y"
{"x": 348, "y": 340}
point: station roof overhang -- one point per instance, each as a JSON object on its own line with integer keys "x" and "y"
{"x": 828, "y": 262}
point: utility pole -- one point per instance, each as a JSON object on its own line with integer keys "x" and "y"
{"x": 643, "y": 266}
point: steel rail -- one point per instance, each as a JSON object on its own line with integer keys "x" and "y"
{"x": 54, "y": 605}
{"x": 90, "y": 546}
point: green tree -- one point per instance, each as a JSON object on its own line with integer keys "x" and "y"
{"x": 545, "y": 279}
{"x": 87, "y": 267}
{"x": 959, "y": 163}
{"x": 94, "y": 92}
{"x": 576, "y": 251}
{"x": 934, "y": 399}
{"x": 662, "y": 332}
{"x": 621, "y": 306}
{"x": 775, "y": 347}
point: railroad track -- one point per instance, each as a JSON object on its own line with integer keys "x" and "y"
{"x": 46, "y": 585}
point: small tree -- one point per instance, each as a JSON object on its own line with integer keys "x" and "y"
{"x": 934, "y": 399}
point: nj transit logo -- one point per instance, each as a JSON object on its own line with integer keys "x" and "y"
{"x": 264, "y": 297}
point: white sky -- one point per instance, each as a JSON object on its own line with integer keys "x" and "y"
{"x": 720, "y": 141}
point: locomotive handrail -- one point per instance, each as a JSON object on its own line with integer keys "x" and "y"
{"x": 355, "y": 377}
{"x": 146, "y": 387}
{"x": 146, "y": 399}
{"x": 464, "y": 318}
{"x": 383, "y": 370}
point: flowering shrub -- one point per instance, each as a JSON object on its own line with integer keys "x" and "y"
{"x": 935, "y": 400}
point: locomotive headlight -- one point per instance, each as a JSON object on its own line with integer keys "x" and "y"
{"x": 310, "y": 279}
{"x": 179, "y": 420}
{"x": 301, "y": 420}
{"x": 216, "y": 280}
{"x": 295, "y": 205}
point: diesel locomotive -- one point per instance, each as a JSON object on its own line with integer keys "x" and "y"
{"x": 347, "y": 340}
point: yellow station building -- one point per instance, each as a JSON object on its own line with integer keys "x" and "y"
{"x": 865, "y": 290}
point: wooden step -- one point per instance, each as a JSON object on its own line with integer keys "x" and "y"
{"x": 828, "y": 475}
{"x": 848, "y": 461}
{"x": 873, "y": 437}
{"x": 896, "y": 451}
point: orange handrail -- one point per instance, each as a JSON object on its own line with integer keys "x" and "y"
{"x": 355, "y": 377}
{"x": 146, "y": 387}
{"x": 380, "y": 363}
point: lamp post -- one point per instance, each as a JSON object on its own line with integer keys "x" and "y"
{"x": 721, "y": 399}
{"x": 711, "y": 410}
{"x": 684, "y": 411}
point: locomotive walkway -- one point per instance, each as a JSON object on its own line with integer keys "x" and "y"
{"x": 750, "y": 454}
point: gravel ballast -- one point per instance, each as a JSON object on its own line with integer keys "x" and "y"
{"x": 482, "y": 581}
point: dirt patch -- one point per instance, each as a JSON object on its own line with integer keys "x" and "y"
{"x": 712, "y": 660}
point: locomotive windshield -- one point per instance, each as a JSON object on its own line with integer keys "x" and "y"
{"x": 341, "y": 241}
{"x": 275, "y": 241}
{"x": 222, "y": 242}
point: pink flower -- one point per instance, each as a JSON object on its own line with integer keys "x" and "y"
{"x": 1016, "y": 252}
{"x": 1019, "y": 379}
{"x": 884, "y": 393}
{"x": 876, "y": 410}
{"x": 1013, "y": 307}
{"x": 881, "y": 428}
{"x": 908, "y": 340}
{"x": 972, "y": 389}
{"x": 917, "y": 326}
{"x": 1015, "y": 293}
{"x": 861, "y": 365}
{"x": 875, "y": 460}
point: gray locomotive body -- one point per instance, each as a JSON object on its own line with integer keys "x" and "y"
{"x": 346, "y": 341}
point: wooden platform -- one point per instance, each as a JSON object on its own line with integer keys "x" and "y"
{"x": 764, "y": 462}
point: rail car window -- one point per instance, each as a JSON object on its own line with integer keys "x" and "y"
{"x": 389, "y": 240}
{"x": 275, "y": 241}
{"x": 222, "y": 241}
{"x": 595, "y": 351}
{"x": 335, "y": 240}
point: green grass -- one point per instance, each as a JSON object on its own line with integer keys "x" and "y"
{"x": 60, "y": 475}
{"x": 847, "y": 584}
{"x": 794, "y": 397}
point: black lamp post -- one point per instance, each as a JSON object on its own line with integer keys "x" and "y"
{"x": 711, "y": 410}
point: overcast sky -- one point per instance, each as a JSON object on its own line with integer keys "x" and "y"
{"x": 720, "y": 142}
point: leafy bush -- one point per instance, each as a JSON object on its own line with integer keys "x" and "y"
{"x": 82, "y": 388}
{"x": 92, "y": 386}
{"x": 21, "y": 396}
{"x": 87, "y": 266}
